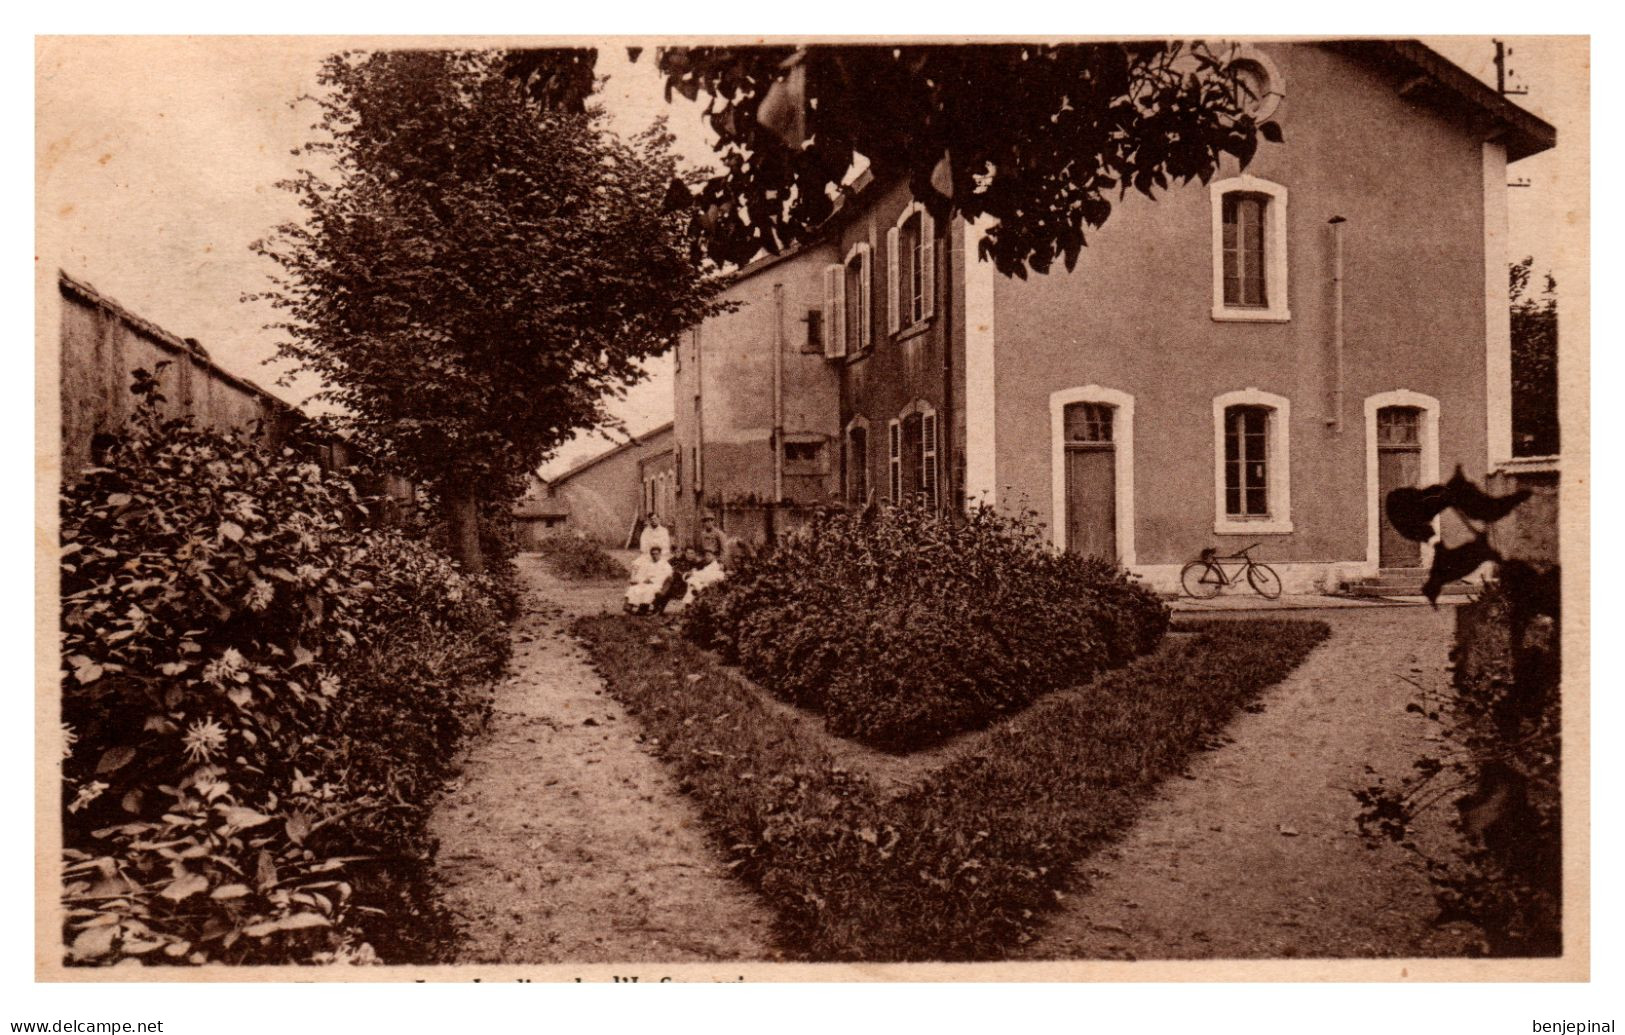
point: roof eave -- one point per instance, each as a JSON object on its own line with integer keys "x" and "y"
{"x": 1522, "y": 133}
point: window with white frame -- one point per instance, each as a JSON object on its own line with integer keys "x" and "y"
{"x": 1246, "y": 463}
{"x": 1261, "y": 85}
{"x": 1252, "y": 465}
{"x": 910, "y": 269}
{"x": 913, "y": 456}
{"x": 1249, "y": 250}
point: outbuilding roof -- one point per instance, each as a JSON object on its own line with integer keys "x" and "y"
{"x": 594, "y": 461}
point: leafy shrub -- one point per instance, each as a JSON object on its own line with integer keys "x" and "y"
{"x": 964, "y": 865}
{"x": 258, "y": 696}
{"x": 903, "y": 627}
{"x": 578, "y": 558}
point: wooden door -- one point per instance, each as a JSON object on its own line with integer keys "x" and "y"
{"x": 1399, "y": 464}
{"x": 1091, "y": 480}
{"x": 1091, "y": 504}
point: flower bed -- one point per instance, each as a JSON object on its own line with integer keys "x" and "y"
{"x": 258, "y": 698}
{"x": 904, "y": 628}
{"x": 963, "y": 865}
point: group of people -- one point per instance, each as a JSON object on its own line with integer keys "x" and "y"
{"x": 656, "y": 582}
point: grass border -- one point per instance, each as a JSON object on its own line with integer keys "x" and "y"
{"x": 965, "y": 864}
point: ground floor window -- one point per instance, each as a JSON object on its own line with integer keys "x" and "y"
{"x": 1251, "y": 463}
{"x": 914, "y": 459}
{"x": 857, "y": 464}
{"x": 1246, "y": 462}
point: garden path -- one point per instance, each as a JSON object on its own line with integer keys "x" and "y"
{"x": 563, "y": 841}
{"x": 1255, "y": 854}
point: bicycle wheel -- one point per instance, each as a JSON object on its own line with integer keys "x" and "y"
{"x": 1264, "y": 581}
{"x": 1201, "y": 579}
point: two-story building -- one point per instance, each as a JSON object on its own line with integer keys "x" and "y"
{"x": 1256, "y": 359}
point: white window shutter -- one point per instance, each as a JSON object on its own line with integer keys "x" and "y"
{"x": 837, "y": 337}
{"x": 928, "y": 457}
{"x": 827, "y": 311}
{"x": 865, "y": 310}
{"x": 895, "y": 435}
{"x": 928, "y": 266}
{"x": 893, "y": 322}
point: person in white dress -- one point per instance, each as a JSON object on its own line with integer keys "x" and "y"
{"x": 654, "y": 534}
{"x": 650, "y": 572}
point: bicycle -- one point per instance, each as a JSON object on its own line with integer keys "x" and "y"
{"x": 1204, "y": 577}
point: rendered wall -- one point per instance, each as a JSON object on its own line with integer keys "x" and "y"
{"x": 723, "y": 399}
{"x": 604, "y": 499}
{"x": 1135, "y": 316}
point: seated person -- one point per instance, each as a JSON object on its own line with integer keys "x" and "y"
{"x": 711, "y": 572}
{"x": 650, "y": 576}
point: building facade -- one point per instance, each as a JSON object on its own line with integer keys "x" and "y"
{"x": 605, "y": 496}
{"x": 1253, "y": 360}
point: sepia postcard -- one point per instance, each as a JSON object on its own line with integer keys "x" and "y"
{"x": 821, "y": 509}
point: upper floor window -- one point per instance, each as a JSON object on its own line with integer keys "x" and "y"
{"x": 1244, "y": 249}
{"x": 910, "y": 269}
{"x": 846, "y": 320}
{"x": 1249, "y": 250}
{"x": 1260, "y": 82}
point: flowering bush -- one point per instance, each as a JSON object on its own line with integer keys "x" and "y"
{"x": 904, "y": 627}
{"x": 258, "y": 694}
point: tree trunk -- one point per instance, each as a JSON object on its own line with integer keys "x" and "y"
{"x": 462, "y": 514}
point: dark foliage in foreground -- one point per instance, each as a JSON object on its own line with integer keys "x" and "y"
{"x": 963, "y": 865}
{"x": 259, "y": 697}
{"x": 903, "y": 627}
{"x": 1502, "y": 773}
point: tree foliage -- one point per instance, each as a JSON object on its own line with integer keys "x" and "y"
{"x": 1534, "y": 364}
{"x": 1040, "y": 138}
{"x": 475, "y": 276}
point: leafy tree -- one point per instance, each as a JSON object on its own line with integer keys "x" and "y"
{"x": 1534, "y": 364}
{"x": 475, "y": 276}
{"x": 1037, "y": 137}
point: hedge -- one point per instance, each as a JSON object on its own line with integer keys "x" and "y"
{"x": 903, "y": 627}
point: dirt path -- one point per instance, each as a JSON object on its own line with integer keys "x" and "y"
{"x": 1255, "y": 854}
{"x": 563, "y": 841}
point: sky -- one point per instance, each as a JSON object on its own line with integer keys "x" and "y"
{"x": 158, "y": 159}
